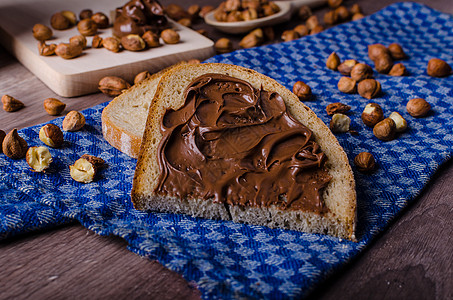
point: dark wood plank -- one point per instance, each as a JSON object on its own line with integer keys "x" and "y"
{"x": 411, "y": 260}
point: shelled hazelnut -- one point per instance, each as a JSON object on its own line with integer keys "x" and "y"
{"x": 361, "y": 71}
{"x": 101, "y": 20}
{"x": 385, "y": 130}
{"x": 339, "y": 123}
{"x": 331, "y": 17}
{"x": 398, "y": 70}
{"x": 51, "y": 135}
{"x": 59, "y": 22}
{"x": 14, "y": 146}
{"x": 290, "y": 35}
{"x": 312, "y": 22}
{"x": 345, "y": 67}
{"x": 169, "y": 36}
{"x": 302, "y": 90}
{"x": 347, "y": 85}
{"x": 372, "y": 114}
{"x": 38, "y": 158}
{"x": 85, "y": 168}
{"x": 418, "y": 107}
{"x": 301, "y": 29}
{"x": 365, "y": 162}
{"x": 42, "y": 32}
{"x": 68, "y": 51}
{"x": 369, "y": 88}
{"x": 46, "y": 50}
{"x": 53, "y": 106}
{"x": 111, "y": 43}
{"x": 151, "y": 39}
{"x": 223, "y": 45}
{"x": 396, "y": 51}
{"x": 318, "y": 28}
{"x": 73, "y": 121}
{"x": 11, "y": 104}
{"x": 438, "y": 68}
{"x": 87, "y": 27}
{"x": 333, "y": 61}
{"x": 252, "y": 39}
{"x": 342, "y": 13}
{"x": 400, "y": 122}
{"x": 133, "y": 42}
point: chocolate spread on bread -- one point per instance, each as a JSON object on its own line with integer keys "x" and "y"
{"x": 239, "y": 145}
{"x": 139, "y": 16}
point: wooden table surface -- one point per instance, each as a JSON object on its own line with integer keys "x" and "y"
{"x": 411, "y": 260}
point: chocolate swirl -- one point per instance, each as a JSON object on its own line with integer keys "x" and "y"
{"x": 238, "y": 145}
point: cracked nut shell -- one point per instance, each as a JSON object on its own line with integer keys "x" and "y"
{"x": 337, "y": 108}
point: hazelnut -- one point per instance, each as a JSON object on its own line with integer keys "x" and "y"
{"x": 377, "y": 50}
{"x": 14, "y": 146}
{"x": 438, "y": 68}
{"x": 372, "y": 114}
{"x": 176, "y": 12}
{"x": 290, "y": 35}
{"x": 317, "y": 29}
{"x": 11, "y": 104}
{"x": 347, "y": 85}
{"x": 355, "y": 9}
{"x": 51, "y": 135}
{"x": 345, "y": 67}
{"x": 78, "y": 40}
{"x": 312, "y": 22}
{"x": 68, "y": 51}
{"x": 342, "y": 13}
{"x": 112, "y": 44}
{"x": 70, "y": 16}
{"x": 205, "y": 10}
{"x": 203, "y": 32}
{"x": 358, "y": 16}
{"x": 385, "y": 130}
{"x": 301, "y": 29}
{"x": 369, "y": 88}
{"x": 185, "y": 22}
{"x": 170, "y": 36}
{"x": 302, "y": 90}
{"x": 38, "y": 158}
{"x": 133, "y": 42}
{"x": 101, "y": 20}
{"x": 396, "y": 51}
{"x": 54, "y": 106}
{"x": 223, "y": 45}
{"x": 398, "y": 70}
{"x": 113, "y": 86}
{"x": 252, "y": 39}
{"x": 85, "y": 14}
{"x": 151, "y": 39}
{"x": 331, "y": 17}
{"x": 85, "y": 168}
{"x": 141, "y": 76}
{"x": 337, "y": 108}
{"x": 383, "y": 63}
{"x": 361, "y": 71}
{"x": 42, "y": 32}
{"x": 59, "y": 22}
{"x": 333, "y": 61}
{"x": 2, "y": 137}
{"x": 46, "y": 50}
{"x": 73, "y": 121}
{"x": 194, "y": 10}
{"x": 334, "y": 3}
{"x": 400, "y": 122}
{"x": 340, "y": 123}
{"x": 418, "y": 107}
{"x": 304, "y": 12}
{"x": 87, "y": 27}
{"x": 365, "y": 162}
{"x": 96, "y": 42}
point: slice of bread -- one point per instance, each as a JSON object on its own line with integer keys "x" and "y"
{"x": 339, "y": 196}
{"x": 124, "y": 118}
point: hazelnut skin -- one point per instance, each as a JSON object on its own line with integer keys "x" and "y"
{"x": 365, "y": 162}
{"x": 418, "y": 107}
{"x": 438, "y": 68}
{"x": 385, "y": 130}
{"x": 302, "y": 90}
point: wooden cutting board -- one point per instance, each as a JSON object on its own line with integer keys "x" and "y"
{"x": 79, "y": 76}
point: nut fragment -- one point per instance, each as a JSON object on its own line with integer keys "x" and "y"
{"x": 14, "y": 146}
{"x": 365, "y": 162}
{"x": 337, "y": 108}
{"x": 73, "y": 121}
{"x": 151, "y": 39}
{"x": 112, "y": 44}
{"x": 396, "y": 51}
{"x": 361, "y": 71}
{"x": 85, "y": 168}
{"x": 68, "y": 51}
{"x": 301, "y": 29}
{"x": 46, "y": 50}
{"x": 347, "y": 85}
{"x": 340, "y": 123}
{"x": 59, "y": 22}
{"x": 223, "y": 45}
{"x": 385, "y": 130}
{"x": 438, "y": 68}
{"x": 113, "y": 86}
{"x": 398, "y": 70}
{"x": 302, "y": 90}
{"x": 252, "y": 39}
{"x": 169, "y": 36}
{"x": 42, "y": 32}
{"x": 333, "y": 61}
{"x": 101, "y": 20}
{"x": 11, "y": 104}
{"x": 38, "y": 158}
{"x": 51, "y": 135}
{"x": 141, "y": 76}
{"x": 346, "y": 66}
{"x": 54, "y": 106}
{"x": 418, "y": 107}
{"x": 369, "y": 88}
{"x": 133, "y": 42}
{"x": 400, "y": 122}
{"x": 87, "y": 27}
{"x": 372, "y": 114}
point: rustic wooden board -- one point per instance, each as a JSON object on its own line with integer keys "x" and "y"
{"x": 79, "y": 76}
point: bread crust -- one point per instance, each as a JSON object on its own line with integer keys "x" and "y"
{"x": 339, "y": 196}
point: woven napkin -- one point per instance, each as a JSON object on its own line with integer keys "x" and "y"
{"x": 229, "y": 260}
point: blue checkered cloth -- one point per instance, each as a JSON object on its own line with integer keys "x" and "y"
{"x": 229, "y": 260}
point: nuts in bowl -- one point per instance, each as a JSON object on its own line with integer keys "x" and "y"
{"x": 245, "y": 10}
